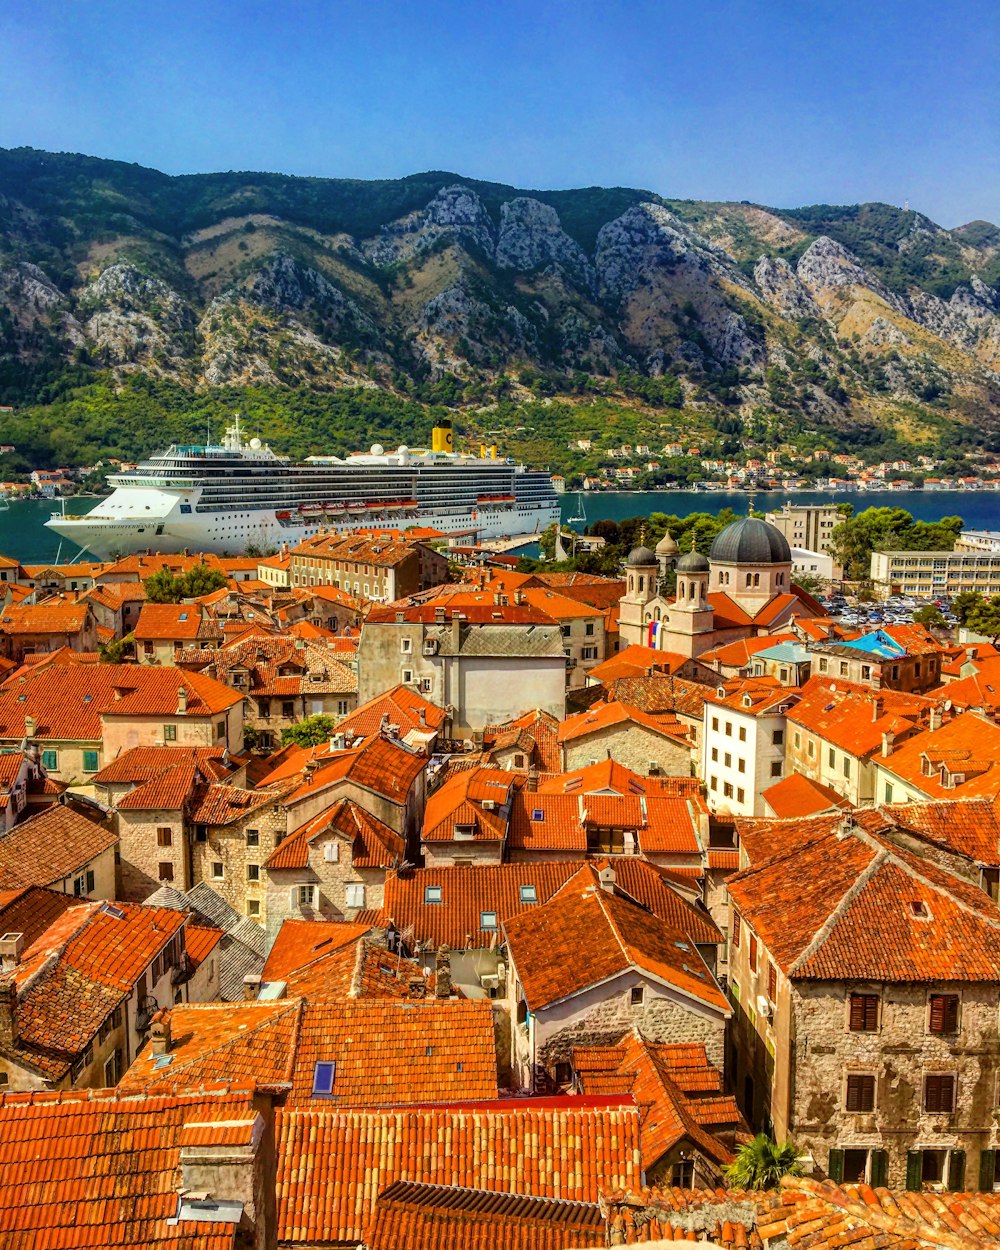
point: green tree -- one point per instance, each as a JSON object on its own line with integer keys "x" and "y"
{"x": 964, "y": 603}
{"x": 163, "y": 587}
{"x": 761, "y": 1163}
{"x": 118, "y": 650}
{"x": 810, "y": 583}
{"x": 310, "y": 732}
{"x": 985, "y": 619}
{"x": 929, "y": 616}
{"x": 202, "y": 580}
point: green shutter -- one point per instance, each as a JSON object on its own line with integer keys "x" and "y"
{"x": 913, "y": 1161}
{"x": 835, "y": 1165}
{"x": 956, "y": 1171}
{"x": 880, "y": 1168}
{"x": 987, "y": 1164}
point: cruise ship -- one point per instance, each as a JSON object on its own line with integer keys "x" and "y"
{"x": 242, "y": 494}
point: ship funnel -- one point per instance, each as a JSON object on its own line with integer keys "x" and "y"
{"x": 441, "y": 436}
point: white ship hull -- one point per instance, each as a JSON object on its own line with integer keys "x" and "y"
{"x": 107, "y": 535}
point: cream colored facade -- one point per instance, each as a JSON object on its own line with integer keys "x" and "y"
{"x": 928, "y": 574}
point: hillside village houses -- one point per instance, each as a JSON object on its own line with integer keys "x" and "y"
{"x": 342, "y": 865}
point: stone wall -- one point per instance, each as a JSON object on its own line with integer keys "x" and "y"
{"x": 227, "y": 845}
{"x": 632, "y": 745}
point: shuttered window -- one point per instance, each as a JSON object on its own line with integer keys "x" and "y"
{"x": 860, "y": 1092}
{"x": 753, "y": 953}
{"x": 944, "y": 1013}
{"x": 864, "y": 1013}
{"x": 737, "y": 924}
{"x": 772, "y": 982}
{"x": 939, "y": 1092}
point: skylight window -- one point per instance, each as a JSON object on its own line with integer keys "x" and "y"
{"x": 432, "y": 894}
{"x": 488, "y": 920}
{"x": 537, "y": 814}
{"x": 919, "y": 910}
{"x": 324, "y": 1076}
{"x": 529, "y": 894}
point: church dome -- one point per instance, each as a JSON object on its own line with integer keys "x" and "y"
{"x": 667, "y": 545}
{"x": 751, "y": 541}
{"x": 693, "y": 562}
{"x": 639, "y": 557}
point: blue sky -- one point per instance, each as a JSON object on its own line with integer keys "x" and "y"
{"x": 777, "y": 102}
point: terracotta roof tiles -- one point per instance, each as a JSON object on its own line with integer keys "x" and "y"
{"x": 51, "y": 847}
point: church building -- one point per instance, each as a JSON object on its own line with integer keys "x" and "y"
{"x": 744, "y": 588}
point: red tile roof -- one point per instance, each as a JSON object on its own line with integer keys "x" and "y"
{"x": 301, "y": 942}
{"x": 143, "y": 763}
{"x": 959, "y": 760}
{"x": 536, "y": 734}
{"x": 586, "y": 934}
{"x": 854, "y": 717}
{"x": 91, "y": 1170}
{"x": 373, "y": 844}
{"x": 559, "y": 822}
{"x": 967, "y": 827}
{"x": 614, "y": 778}
{"x": 379, "y": 764}
{"x": 668, "y": 1082}
{"x": 862, "y": 908}
{"x": 460, "y": 803}
{"x": 637, "y": 661}
{"x": 164, "y": 622}
{"x": 56, "y": 617}
{"x": 332, "y": 1165}
{"x": 50, "y": 847}
{"x": 796, "y": 795}
{"x": 603, "y": 716}
{"x": 409, "y": 1216}
{"x": 69, "y": 701}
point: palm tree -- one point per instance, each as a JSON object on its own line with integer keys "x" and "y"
{"x": 761, "y": 1164}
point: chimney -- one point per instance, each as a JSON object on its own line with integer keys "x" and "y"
{"x": 182, "y": 700}
{"x": 159, "y": 1033}
{"x": 606, "y": 877}
{"x": 532, "y": 783}
{"x": 251, "y": 986}
{"x": 877, "y": 708}
{"x": 11, "y": 946}
{"x": 226, "y": 1164}
{"x": 29, "y": 726}
{"x": 888, "y": 738}
{"x": 8, "y": 1013}
{"x": 442, "y": 974}
{"x": 937, "y": 716}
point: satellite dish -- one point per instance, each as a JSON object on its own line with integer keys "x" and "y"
{"x": 377, "y": 449}
{"x": 256, "y": 444}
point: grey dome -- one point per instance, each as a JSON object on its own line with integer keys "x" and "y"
{"x": 693, "y": 562}
{"x": 751, "y": 541}
{"x": 640, "y": 556}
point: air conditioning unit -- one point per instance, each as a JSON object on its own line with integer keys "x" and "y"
{"x": 490, "y": 983}
{"x": 764, "y": 1007}
{"x": 430, "y": 646}
{"x": 489, "y": 805}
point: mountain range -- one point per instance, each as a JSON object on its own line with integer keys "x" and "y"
{"x": 847, "y": 325}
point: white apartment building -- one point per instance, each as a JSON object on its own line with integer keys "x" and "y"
{"x": 743, "y": 743}
{"x": 808, "y": 526}
{"x": 929, "y": 574}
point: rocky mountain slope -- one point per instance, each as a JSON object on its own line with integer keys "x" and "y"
{"x": 837, "y": 319}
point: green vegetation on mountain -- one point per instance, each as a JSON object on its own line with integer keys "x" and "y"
{"x": 136, "y": 307}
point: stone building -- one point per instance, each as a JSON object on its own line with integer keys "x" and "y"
{"x": 744, "y": 588}
{"x": 894, "y": 657}
{"x": 591, "y": 964}
{"x": 864, "y": 978}
{"x": 649, "y": 744}
{"x": 37, "y": 628}
{"x": 370, "y": 566}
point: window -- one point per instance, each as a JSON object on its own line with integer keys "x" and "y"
{"x": 713, "y": 783}
{"x": 776, "y": 768}
{"x": 939, "y": 1092}
{"x": 778, "y": 737}
{"x": 741, "y": 766}
{"x": 50, "y": 760}
{"x": 169, "y": 733}
{"x": 201, "y": 833}
{"x": 218, "y": 871}
{"x": 932, "y": 1167}
{"x": 824, "y": 666}
{"x": 253, "y": 872}
{"x": 860, "y": 1092}
{"x": 729, "y": 728}
{"x": 943, "y": 1016}
{"x": 727, "y": 759}
{"x": 113, "y": 1069}
{"x": 165, "y": 870}
{"x": 253, "y": 907}
{"x": 811, "y": 749}
{"x": 406, "y": 645}
{"x": 863, "y": 1013}
{"x": 637, "y": 995}
{"x": 354, "y": 894}
{"x": 843, "y": 668}
{"x": 753, "y": 953}
{"x": 407, "y": 676}
{"x": 432, "y": 894}
{"x": 831, "y": 757}
{"x": 737, "y": 927}
{"x": 588, "y": 629}
{"x": 847, "y": 766}
{"x": 715, "y": 724}
{"x": 287, "y": 709}
{"x": 79, "y": 887}
{"x": 590, "y": 653}
{"x": 305, "y": 896}
{"x": 90, "y": 764}
{"x": 715, "y": 755}
{"x": 727, "y": 789}
{"x": 488, "y": 921}
{"x": 682, "y": 1174}
{"x": 772, "y": 982}
{"x": 164, "y": 836}
{"x": 563, "y": 1074}
{"x": 740, "y": 794}
{"x": 324, "y": 1076}
{"x": 528, "y": 894}
{"x": 888, "y": 791}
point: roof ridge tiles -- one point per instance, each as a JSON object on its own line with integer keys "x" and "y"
{"x": 838, "y": 912}
{"x": 293, "y": 1004}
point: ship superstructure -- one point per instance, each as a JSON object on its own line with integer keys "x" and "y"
{"x": 226, "y": 498}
